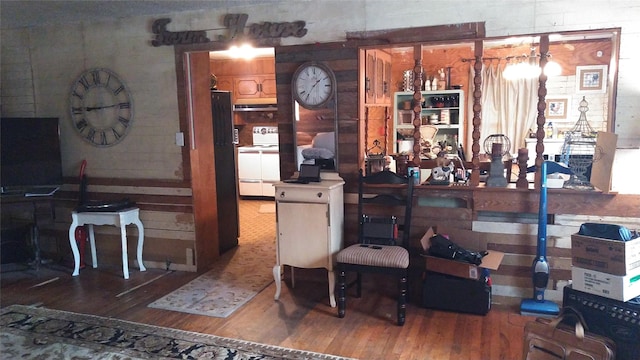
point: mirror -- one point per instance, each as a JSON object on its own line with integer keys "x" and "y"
{"x": 582, "y": 56}
{"x": 315, "y": 123}
{"x": 316, "y": 137}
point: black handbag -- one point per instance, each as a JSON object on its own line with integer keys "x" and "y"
{"x": 447, "y": 249}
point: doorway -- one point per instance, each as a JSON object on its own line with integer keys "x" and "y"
{"x": 194, "y": 72}
{"x": 251, "y": 82}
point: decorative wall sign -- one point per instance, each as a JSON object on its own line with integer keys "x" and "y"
{"x": 235, "y": 25}
{"x": 591, "y": 79}
{"x": 166, "y": 37}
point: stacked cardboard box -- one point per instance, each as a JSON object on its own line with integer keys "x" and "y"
{"x": 609, "y": 268}
{"x": 455, "y": 285}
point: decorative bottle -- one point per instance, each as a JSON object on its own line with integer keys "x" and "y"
{"x": 549, "y": 130}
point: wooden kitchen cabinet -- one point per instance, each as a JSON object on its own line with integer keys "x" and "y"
{"x": 248, "y": 80}
{"x": 377, "y": 77}
{"x": 310, "y": 221}
{"x": 254, "y": 87}
{"x": 225, "y": 83}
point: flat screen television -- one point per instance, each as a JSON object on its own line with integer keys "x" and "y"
{"x": 30, "y": 153}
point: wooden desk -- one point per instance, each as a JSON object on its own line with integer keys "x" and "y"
{"x": 28, "y": 208}
{"x": 120, "y": 219}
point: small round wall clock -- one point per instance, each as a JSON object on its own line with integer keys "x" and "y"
{"x": 313, "y": 85}
{"x": 101, "y": 107}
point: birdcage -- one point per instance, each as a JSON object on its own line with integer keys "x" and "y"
{"x": 502, "y": 139}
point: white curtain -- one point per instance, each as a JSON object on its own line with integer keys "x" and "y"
{"x": 509, "y": 107}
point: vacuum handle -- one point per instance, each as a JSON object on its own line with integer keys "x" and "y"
{"x": 542, "y": 213}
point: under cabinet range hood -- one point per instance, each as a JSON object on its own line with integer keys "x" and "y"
{"x": 260, "y": 104}
{"x": 255, "y": 107}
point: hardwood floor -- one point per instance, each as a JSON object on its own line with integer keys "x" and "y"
{"x": 301, "y": 319}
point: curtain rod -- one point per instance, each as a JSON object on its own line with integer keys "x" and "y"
{"x": 508, "y": 58}
{"x": 484, "y": 58}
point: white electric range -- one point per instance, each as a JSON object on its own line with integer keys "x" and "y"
{"x": 259, "y": 164}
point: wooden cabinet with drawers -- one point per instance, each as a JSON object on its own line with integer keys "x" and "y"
{"x": 310, "y": 221}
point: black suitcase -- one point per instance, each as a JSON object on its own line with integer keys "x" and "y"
{"x": 452, "y": 293}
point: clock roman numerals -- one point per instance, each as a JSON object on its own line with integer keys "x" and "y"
{"x": 81, "y": 124}
{"x": 118, "y": 90}
{"x": 103, "y": 138}
{"x": 124, "y": 121}
{"x": 75, "y": 94}
{"x": 95, "y": 75}
{"x": 116, "y": 134}
{"x": 91, "y": 134}
{"x": 84, "y": 82}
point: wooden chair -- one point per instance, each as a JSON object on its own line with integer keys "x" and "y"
{"x": 376, "y": 250}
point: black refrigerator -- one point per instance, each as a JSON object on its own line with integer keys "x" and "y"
{"x": 225, "y": 167}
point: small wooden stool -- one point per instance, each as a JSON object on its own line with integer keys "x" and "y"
{"x": 121, "y": 219}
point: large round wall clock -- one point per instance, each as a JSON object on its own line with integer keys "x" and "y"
{"x": 313, "y": 85}
{"x": 101, "y": 107}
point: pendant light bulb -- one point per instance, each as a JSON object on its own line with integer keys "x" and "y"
{"x": 552, "y": 68}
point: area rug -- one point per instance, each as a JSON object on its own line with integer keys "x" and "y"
{"x": 236, "y": 277}
{"x": 39, "y": 333}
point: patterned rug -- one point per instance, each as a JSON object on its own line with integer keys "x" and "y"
{"x": 237, "y": 276}
{"x": 39, "y": 333}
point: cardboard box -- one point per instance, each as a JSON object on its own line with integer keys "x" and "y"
{"x": 622, "y": 288}
{"x": 610, "y": 256}
{"x": 467, "y": 239}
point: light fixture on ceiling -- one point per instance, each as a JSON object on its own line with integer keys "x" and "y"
{"x": 244, "y": 51}
{"x": 552, "y": 68}
{"x": 527, "y": 66}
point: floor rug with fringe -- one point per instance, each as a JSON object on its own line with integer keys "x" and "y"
{"x": 39, "y": 333}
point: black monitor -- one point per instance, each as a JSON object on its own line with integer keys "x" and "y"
{"x": 309, "y": 172}
{"x": 30, "y": 153}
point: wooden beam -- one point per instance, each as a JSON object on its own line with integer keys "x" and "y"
{"x": 477, "y": 110}
{"x": 422, "y": 34}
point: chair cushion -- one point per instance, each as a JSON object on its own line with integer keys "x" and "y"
{"x": 386, "y": 256}
{"x": 317, "y": 153}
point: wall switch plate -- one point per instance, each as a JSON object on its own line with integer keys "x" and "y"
{"x": 180, "y": 139}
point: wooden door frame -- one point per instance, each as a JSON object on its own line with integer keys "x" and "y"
{"x": 198, "y": 153}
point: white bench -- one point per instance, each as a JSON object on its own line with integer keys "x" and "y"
{"x": 121, "y": 219}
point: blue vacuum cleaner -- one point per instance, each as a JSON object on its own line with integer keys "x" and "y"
{"x": 538, "y": 306}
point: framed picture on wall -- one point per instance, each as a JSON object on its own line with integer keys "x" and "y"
{"x": 591, "y": 79}
{"x": 557, "y": 108}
